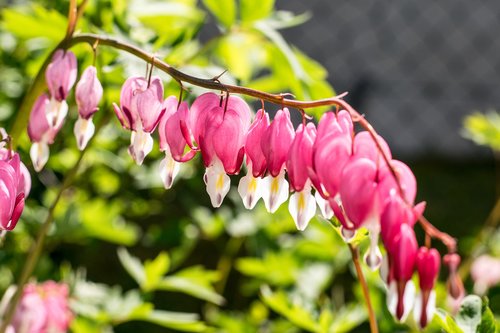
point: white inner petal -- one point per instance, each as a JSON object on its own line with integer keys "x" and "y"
{"x": 250, "y": 190}
{"x": 169, "y": 168}
{"x": 56, "y": 112}
{"x": 84, "y": 130}
{"x": 39, "y": 153}
{"x": 141, "y": 144}
{"x": 275, "y": 191}
{"x": 324, "y": 206}
{"x": 218, "y": 183}
{"x": 302, "y": 207}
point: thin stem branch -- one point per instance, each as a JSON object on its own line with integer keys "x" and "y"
{"x": 364, "y": 286}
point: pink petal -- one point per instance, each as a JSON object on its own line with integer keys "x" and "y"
{"x": 61, "y": 74}
{"x": 358, "y": 190}
{"x": 300, "y": 156}
{"x": 88, "y": 93}
{"x": 38, "y": 124}
{"x": 255, "y": 156}
{"x": 277, "y": 140}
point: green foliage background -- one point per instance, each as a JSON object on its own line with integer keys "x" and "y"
{"x": 140, "y": 258}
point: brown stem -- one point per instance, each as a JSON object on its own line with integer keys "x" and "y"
{"x": 212, "y": 84}
{"x": 72, "y": 18}
{"x": 364, "y": 286}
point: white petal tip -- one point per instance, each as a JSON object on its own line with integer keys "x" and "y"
{"x": 39, "y": 153}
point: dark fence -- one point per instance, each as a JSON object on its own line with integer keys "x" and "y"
{"x": 415, "y": 68}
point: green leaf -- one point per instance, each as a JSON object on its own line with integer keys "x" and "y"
{"x": 194, "y": 281}
{"x": 483, "y": 129}
{"x": 34, "y": 22}
{"x": 102, "y": 220}
{"x": 223, "y": 10}
{"x": 251, "y": 10}
{"x": 278, "y": 302}
{"x": 348, "y": 317}
{"x": 487, "y": 324}
{"x": 275, "y": 268}
{"x": 132, "y": 265}
{"x": 187, "y": 322}
{"x": 154, "y": 270}
{"x": 469, "y": 315}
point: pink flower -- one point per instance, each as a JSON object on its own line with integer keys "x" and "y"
{"x": 485, "y": 273}
{"x": 331, "y": 151}
{"x": 41, "y": 131}
{"x": 256, "y": 161}
{"x": 174, "y": 136}
{"x": 302, "y": 205}
{"x": 428, "y": 264}
{"x": 13, "y": 190}
{"x": 402, "y": 261}
{"x": 61, "y": 74}
{"x": 275, "y": 143}
{"x": 141, "y": 107}
{"x": 88, "y": 95}
{"x": 250, "y": 186}
{"x": 43, "y": 308}
{"x": 219, "y": 126}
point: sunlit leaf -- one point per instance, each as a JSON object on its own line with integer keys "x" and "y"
{"x": 223, "y": 10}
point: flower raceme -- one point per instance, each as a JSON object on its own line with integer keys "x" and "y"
{"x": 353, "y": 175}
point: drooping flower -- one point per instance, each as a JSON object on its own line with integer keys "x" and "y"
{"x": 250, "y": 186}
{"x": 331, "y": 151}
{"x": 275, "y": 144}
{"x": 44, "y": 308}
{"x": 61, "y": 74}
{"x": 302, "y": 204}
{"x": 428, "y": 264}
{"x": 402, "y": 261}
{"x": 454, "y": 283}
{"x": 13, "y": 190}
{"x": 88, "y": 95}
{"x": 40, "y": 132}
{"x": 141, "y": 107}
{"x": 219, "y": 127}
{"x": 174, "y": 136}
{"x": 485, "y": 272}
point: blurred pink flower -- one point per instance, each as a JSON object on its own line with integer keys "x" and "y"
{"x": 485, "y": 271}
{"x": 43, "y": 308}
{"x": 61, "y": 74}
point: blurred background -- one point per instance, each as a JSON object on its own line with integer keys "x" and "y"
{"x": 416, "y": 69}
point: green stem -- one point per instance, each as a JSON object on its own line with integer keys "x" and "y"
{"x": 364, "y": 287}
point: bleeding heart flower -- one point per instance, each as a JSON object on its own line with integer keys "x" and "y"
{"x": 61, "y": 74}
{"x": 275, "y": 145}
{"x": 403, "y": 257}
{"x": 41, "y": 132}
{"x": 43, "y": 308}
{"x": 250, "y": 186}
{"x": 485, "y": 272}
{"x": 14, "y": 187}
{"x": 219, "y": 126}
{"x": 302, "y": 204}
{"x": 141, "y": 107}
{"x": 88, "y": 95}
{"x": 174, "y": 136}
{"x": 428, "y": 264}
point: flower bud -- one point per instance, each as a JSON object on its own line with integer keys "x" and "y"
{"x": 61, "y": 74}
